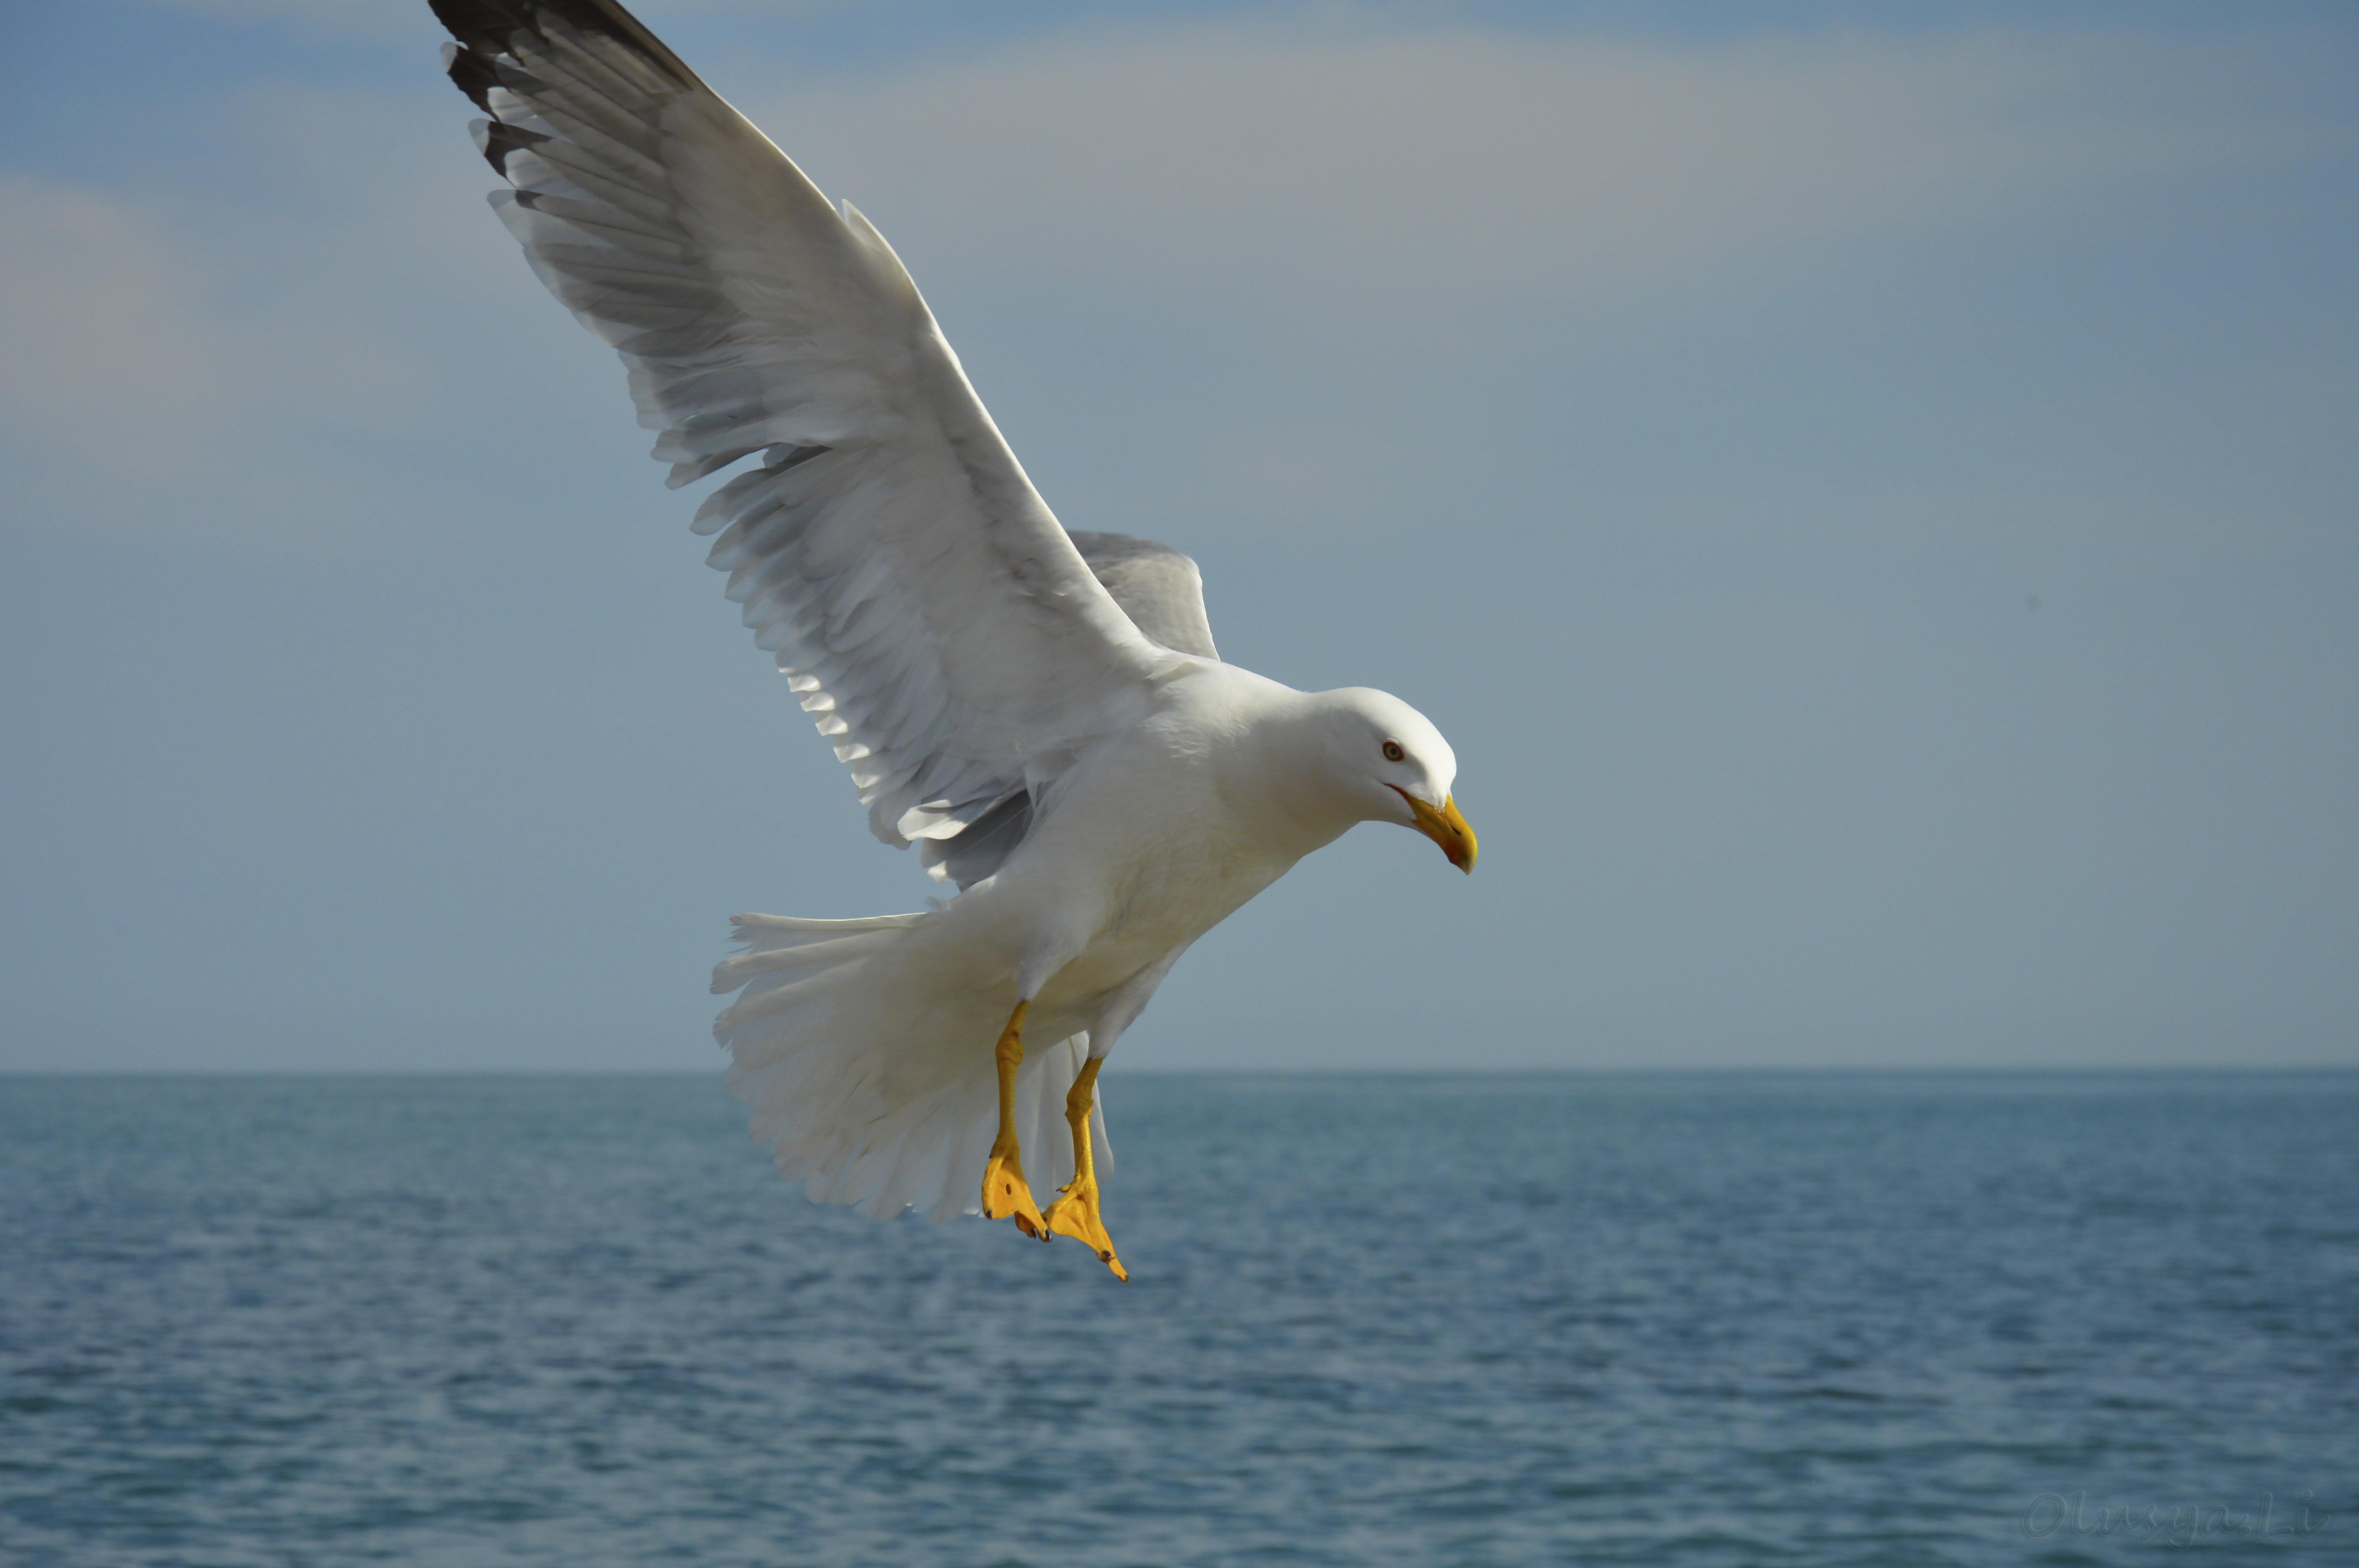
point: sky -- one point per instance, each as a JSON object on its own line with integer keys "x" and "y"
{"x": 1867, "y": 491}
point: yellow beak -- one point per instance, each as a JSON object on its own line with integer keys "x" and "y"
{"x": 1447, "y": 829}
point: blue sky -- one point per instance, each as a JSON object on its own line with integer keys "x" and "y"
{"x": 1869, "y": 500}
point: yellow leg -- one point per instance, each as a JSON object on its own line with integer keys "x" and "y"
{"x": 1076, "y": 1214}
{"x": 1004, "y": 1190}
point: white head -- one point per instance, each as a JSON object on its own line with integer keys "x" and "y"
{"x": 1383, "y": 761}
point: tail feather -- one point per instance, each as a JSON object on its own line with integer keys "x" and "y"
{"x": 731, "y": 973}
{"x": 871, "y": 1086}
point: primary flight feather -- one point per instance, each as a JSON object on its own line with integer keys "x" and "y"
{"x": 1042, "y": 714}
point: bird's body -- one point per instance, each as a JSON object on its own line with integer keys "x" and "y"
{"x": 1151, "y": 838}
{"x": 1043, "y": 714}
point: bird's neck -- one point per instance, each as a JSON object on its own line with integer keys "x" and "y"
{"x": 1289, "y": 773}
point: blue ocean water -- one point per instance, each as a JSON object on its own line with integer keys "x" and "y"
{"x": 1819, "y": 1319}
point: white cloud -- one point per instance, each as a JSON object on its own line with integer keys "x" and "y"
{"x": 216, "y": 363}
{"x": 1425, "y": 171}
{"x": 1381, "y": 206}
{"x": 1392, "y": 230}
{"x": 160, "y": 385}
{"x": 364, "y": 19}
{"x": 402, "y": 19}
{"x": 110, "y": 356}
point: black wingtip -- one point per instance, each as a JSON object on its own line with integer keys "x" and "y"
{"x": 483, "y": 25}
{"x": 470, "y": 73}
{"x": 497, "y": 140}
{"x": 487, "y": 25}
{"x": 608, "y": 17}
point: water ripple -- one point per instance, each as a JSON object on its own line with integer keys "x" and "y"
{"x": 1811, "y": 1319}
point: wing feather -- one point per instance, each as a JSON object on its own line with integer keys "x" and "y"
{"x": 1159, "y": 588}
{"x": 933, "y": 617}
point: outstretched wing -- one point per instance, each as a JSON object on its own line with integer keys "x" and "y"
{"x": 1159, "y": 588}
{"x": 934, "y": 617}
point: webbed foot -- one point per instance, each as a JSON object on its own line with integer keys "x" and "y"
{"x": 1006, "y": 1195}
{"x": 1076, "y": 1215}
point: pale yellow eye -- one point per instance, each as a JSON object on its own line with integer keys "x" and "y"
{"x": 1393, "y": 752}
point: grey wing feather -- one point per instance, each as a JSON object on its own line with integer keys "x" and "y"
{"x": 1159, "y": 588}
{"x": 935, "y": 620}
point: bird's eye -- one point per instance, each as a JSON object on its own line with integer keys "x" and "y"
{"x": 1393, "y": 752}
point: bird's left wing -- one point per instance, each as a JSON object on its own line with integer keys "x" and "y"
{"x": 934, "y": 616}
{"x": 1159, "y": 588}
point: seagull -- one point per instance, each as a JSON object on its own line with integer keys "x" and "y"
{"x": 1043, "y": 714}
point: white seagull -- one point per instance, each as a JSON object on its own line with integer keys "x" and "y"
{"x": 1041, "y": 713}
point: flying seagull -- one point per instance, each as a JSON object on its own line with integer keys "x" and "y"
{"x": 1042, "y": 713}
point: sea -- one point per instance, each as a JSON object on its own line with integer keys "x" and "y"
{"x": 1743, "y": 1319}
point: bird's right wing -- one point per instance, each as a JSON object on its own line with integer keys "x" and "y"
{"x": 890, "y": 550}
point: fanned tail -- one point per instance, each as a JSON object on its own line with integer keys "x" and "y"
{"x": 873, "y": 1087}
